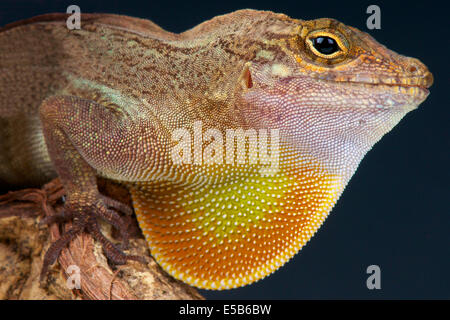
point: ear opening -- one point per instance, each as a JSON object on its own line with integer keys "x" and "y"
{"x": 246, "y": 77}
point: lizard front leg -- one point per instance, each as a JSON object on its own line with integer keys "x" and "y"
{"x": 80, "y": 135}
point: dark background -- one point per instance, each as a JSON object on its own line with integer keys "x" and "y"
{"x": 395, "y": 212}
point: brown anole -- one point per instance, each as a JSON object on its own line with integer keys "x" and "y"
{"x": 106, "y": 100}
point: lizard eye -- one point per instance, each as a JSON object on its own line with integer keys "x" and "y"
{"x": 326, "y": 45}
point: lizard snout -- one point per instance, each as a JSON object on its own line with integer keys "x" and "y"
{"x": 419, "y": 71}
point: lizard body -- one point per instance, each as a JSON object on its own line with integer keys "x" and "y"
{"x": 105, "y": 101}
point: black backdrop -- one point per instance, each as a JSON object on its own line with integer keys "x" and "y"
{"x": 395, "y": 211}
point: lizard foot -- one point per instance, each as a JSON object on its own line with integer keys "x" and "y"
{"x": 85, "y": 219}
{"x": 105, "y": 208}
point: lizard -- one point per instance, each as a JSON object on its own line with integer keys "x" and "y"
{"x": 105, "y": 101}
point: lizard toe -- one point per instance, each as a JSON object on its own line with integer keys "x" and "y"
{"x": 56, "y": 247}
{"x": 112, "y": 251}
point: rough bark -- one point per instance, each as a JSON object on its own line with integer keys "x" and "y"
{"x": 23, "y": 243}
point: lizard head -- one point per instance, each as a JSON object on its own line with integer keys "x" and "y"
{"x": 329, "y": 50}
{"x": 332, "y": 90}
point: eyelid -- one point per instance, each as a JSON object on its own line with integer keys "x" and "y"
{"x": 340, "y": 40}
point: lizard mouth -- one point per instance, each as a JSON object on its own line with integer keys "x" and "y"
{"x": 409, "y": 89}
{"x": 407, "y": 85}
{"x": 416, "y": 88}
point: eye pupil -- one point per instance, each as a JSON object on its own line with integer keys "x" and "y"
{"x": 325, "y": 45}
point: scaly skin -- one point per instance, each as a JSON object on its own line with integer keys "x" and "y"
{"x": 106, "y": 100}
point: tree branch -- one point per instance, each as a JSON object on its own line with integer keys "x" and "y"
{"x": 23, "y": 243}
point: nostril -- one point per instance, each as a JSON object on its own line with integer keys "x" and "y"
{"x": 418, "y": 72}
{"x": 412, "y": 69}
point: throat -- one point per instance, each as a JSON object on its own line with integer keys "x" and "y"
{"x": 237, "y": 226}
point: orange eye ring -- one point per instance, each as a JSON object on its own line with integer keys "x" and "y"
{"x": 327, "y": 38}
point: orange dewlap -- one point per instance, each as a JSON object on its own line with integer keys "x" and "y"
{"x": 237, "y": 229}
